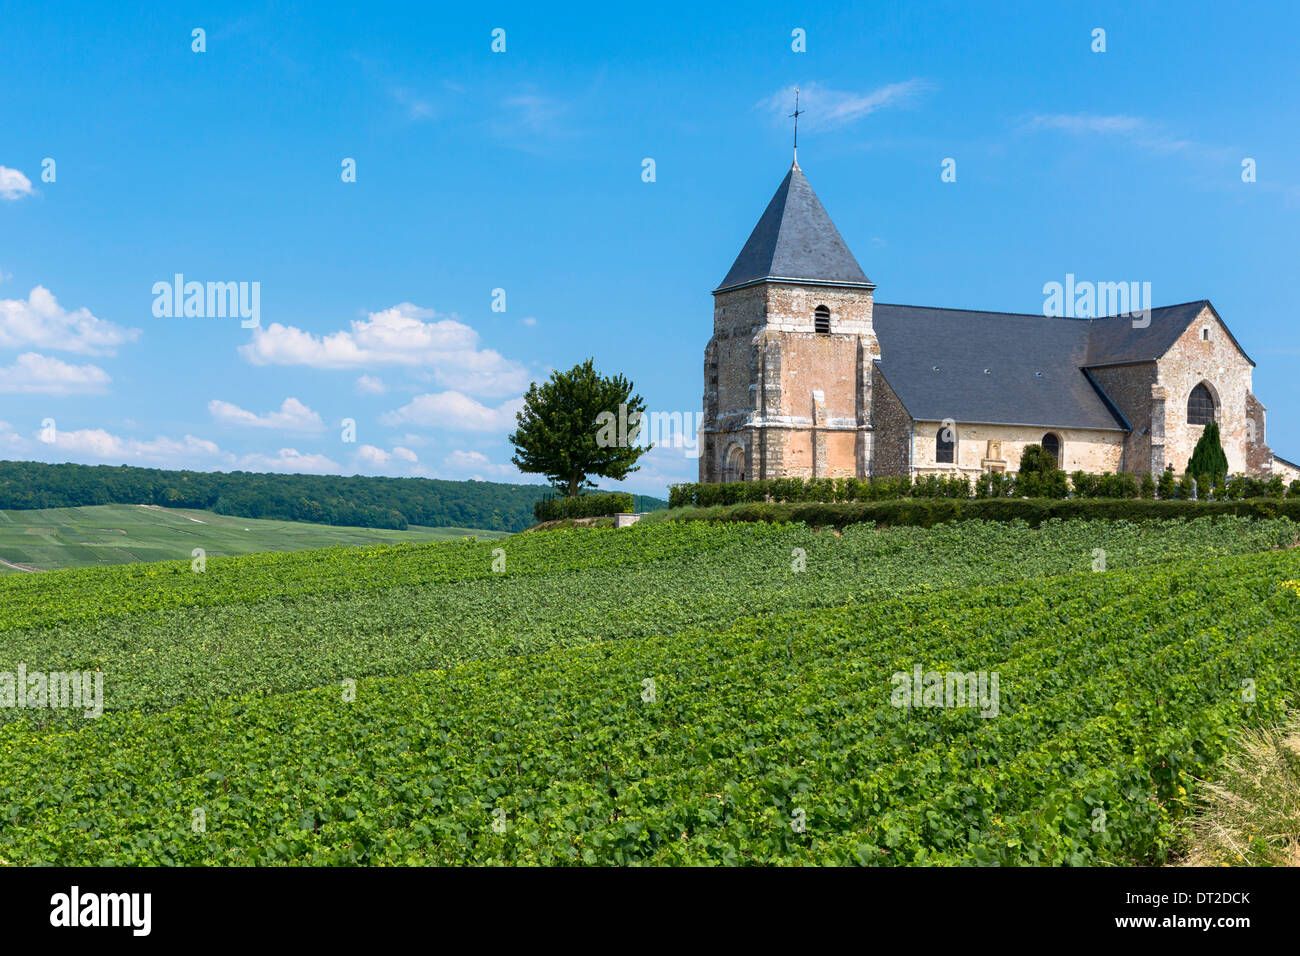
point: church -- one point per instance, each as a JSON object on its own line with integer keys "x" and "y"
{"x": 806, "y": 375}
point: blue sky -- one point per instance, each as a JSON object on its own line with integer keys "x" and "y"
{"x": 522, "y": 171}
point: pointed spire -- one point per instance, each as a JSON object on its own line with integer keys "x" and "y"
{"x": 795, "y": 241}
{"x": 795, "y": 114}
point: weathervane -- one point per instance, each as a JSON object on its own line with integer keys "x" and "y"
{"x": 795, "y": 114}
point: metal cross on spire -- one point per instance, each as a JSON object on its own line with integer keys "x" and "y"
{"x": 795, "y": 114}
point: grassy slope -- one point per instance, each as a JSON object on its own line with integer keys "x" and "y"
{"x": 57, "y": 538}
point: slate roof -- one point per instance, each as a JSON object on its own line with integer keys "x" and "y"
{"x": 1114, "y": 340}
{"x": 1035, "y": 367}
{"x": 1038, "y": 374}
{"x": 795, "y": 241}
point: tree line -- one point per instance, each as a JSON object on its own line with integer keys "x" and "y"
{"x": 359, "y": 501}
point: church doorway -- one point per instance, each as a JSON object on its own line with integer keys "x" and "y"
{"x": 734, "y": 466}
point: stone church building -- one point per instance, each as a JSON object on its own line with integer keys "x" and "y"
{"x": 807, "y": 375}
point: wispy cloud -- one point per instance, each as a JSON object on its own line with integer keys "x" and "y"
{"x": 824, "y": 109}
{"x": 531, "y": 121}
{"x": 1135, "y": 130}
{"x": 417, "y": 107}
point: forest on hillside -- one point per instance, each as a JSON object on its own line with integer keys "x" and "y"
{"x": 361, "y": 501}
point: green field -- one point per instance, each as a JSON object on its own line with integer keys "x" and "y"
{"x": 667, "y": 693}
{"x": 56, "y": 538}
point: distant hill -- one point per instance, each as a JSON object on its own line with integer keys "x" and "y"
{"x": 357, "y": 501}
{"x": 93, "y": 535}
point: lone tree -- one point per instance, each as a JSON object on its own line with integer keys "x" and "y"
{"x": 1208, "y": 459}
{"x": 579, "y": 423}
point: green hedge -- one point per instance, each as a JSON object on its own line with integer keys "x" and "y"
{"x": 818, "y": 489}
{"x": 583, "y": 506}
{"x": 1050, "y": 484}
{"x": 926, "y": 512}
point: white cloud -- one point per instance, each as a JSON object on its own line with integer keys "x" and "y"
{"x": 829, "y": 109}
{"x": 466, "y": 459}
{"x": 13, "y": 184}
{"x": 292, "y": 416}
{"x": 290, "y": 460}
{"x": 530, "y": 320}
{"x": 400, "y": 461}
{"x": 475, "y": 464}
{"x": 40, "y": 321}
{"x": 371, "y": 385}
{"x": 9, "y": 436}
{"x": 454, "y": 411}
{"x": 397, "y": 336}
{"x": 34, "y": 374}
{"x": 100, "y": 444}
{"x": 375, "y": 457}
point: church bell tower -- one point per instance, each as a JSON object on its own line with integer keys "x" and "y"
{"x": 789, "y": 370}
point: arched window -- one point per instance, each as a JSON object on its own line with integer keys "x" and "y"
{"x": 945, "y": 446}
{"x": 1052, "y": 445}
{"x": 1200, "y": 406}
{"x": 822, "y": 319}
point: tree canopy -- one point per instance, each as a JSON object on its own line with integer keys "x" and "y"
{"x": 578, "y": 424}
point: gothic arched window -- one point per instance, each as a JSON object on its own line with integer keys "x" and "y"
{"x": 822, "y": 319}
{"x": 945, "y": 446}
{"x": 1052, "y": 445}
{"x": 1200, "y": 406}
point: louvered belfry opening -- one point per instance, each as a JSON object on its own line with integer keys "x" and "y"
{"x": 822, "y": 320}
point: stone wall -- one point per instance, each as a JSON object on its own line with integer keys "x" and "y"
{"x": 1129, "y": 387}
{"x": 1218, "y": 362}
{"x": 1289, "y": 472}
{"x": 796, "y": 401}
{"x": 893, "y": 430}
{"x": 981, "y": 448}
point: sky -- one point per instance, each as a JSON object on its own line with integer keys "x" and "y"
{"x": 503, "y": 220}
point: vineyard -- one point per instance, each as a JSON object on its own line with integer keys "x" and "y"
{"x": 668, "y": 693}
{"x": 51, "y": 538}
